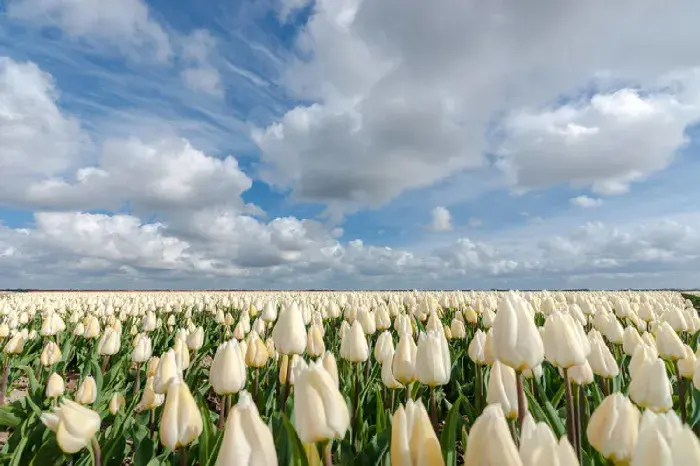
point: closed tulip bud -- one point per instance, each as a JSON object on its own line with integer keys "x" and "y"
{"x": 182, "y": 355}
{"x": 134, "y": 330}
{"x": 239, "y": 332}
{"x": 669, "y": 343}
{"x": 150, "y": 399}
{"x": 171, "y": 321}
{"x": 565, "y": 343}
{"x": 516, "y": 340}
{"x": 384, "y": 348}
{"x": 152, "y": 366}
{"x": 256, "y": 353}
{"x": 388, "y": 376}
{"x": 652, "y": 447}
{"x": 329, "y": 363}
{"x": 87, "y": 391}
{"x": 115, "y": 403}
{"x": 613, "y": 428}
{"x": 367, "y": 321}
{"x": 92, "y": 327}
{"x": 601, "y": 360}
{"x": 51, "y": 354}
{"x": 580, "y": 375}
{"x": 539, "y": 446}
{"x": 228, "y": 371}
{"x": 181, "y": 422}
{"x": 314, "y": 341}
{"x": 195, "y": 340}
{"x": 404, "y": 362}
{"x": 686, "y": 366}
{"x": 502, "y": 389}
{"x": 4, "y": 330}
{"x": 490, "y": 442}
{"x": 247, "y": 439}
{"x": 166, "y": 372}
{"x": 143, "y": 348}
{"x": 650, "y": 387}
{"x": 55, "y": 386}
{"x": 413, "y": 440}
{"x": 75, "y": 425}
{"x": 630, "y": 340}
{"x": 643, "y": 353}
{"x": 320, "y": 412}
{"x": 534, "y": 372}
{"x": 433, "y": 363}
{"x": 109, "y": 342}
{"x": 471, "y": 316}
{"x": 149, "y": 322}
{"x": 79, "y": 330}
{"x": 649, "y": 339}
{"x": 269, "y": 313}
{"x": 477, "y": 348}
{"x": 382, "y": 319}
{"x": 15, "y": 344}
{"x": 353, "y": 346}
{"x": 289, "y": 332}
{"x": 457, "y": 329}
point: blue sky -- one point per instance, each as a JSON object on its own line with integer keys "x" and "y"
{"x": 348, "y": 144}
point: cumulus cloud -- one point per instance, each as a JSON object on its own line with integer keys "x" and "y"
{"x": 406, "y": 95}
{"x": 585, "y": 201}
{"x": 442, "y": 219}
{"x": 38, "y": 139}
{"x": 127, "y": 24}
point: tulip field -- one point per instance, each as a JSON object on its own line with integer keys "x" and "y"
{"x": 350, "y": 378}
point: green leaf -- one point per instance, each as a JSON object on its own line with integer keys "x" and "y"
{"x": 17, "y": 453}
{"x": 97, "y": 375}
{"x": 144, "y": 452}
{"x": 373, "y": 453}
{"x": 8, "y": 418}
{"x": 448, "y": 438}
{"x": 380, "y": 412}
{"x": 208, "y": 437}
{"x": 49, "y": 454}
{"x": 298, "y": 454}
{"x": 695, "y": 416}
{"x": 550, "y": 413}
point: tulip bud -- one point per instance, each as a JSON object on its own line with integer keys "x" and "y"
{"x": 55, "y": 386}
{"x": 92, "y": 327}
{"x": 314, "y": 341}
{"x": 413, "y": 440}
{"x": 152, "y": 366}
{"x": 516, "y": 340}
{"x": 166, "y": 372}
{"x": 457, "y": 329}
{"x": 247, "y": 439}
{"x": 15, "y": 345}
{"x": 580, "y": 375}
{"x": 404, "y": 362}
{"x": 75, "y": 425}
{"x": 109, "y": 342}
{"x": 384, "y": 349}
{"x": 538, "y": 444}
{"x": 601, "y": 360}
{"x": 181, "y": 422}
{"x": 353, "y": 346}
{"x": 433, "y": 363}
{"x": 388, "y": 376}
{"x": 115, "y": 403}
{"x": 79, "y": 330}
{"x": 613, "y": 428}
{"x": 502, "y": 389}
{"x": 650, "y": 387}
{"x": 289, "y": 332}
{"x": 685, "y": 447}
{"x": 565, "y": 343}
{"x": 228, "y": 371}
{"x": 142, "y": 348}
{"x": 669, "y": 343}
{"x": 87, "y": 391}
{"x": 256, "y": 354}
{"x": 150, "y": 399}
{"x": 182, "y": 355}
{"x": 329, "y": 363}
{"x": 51, "y": 354}
{"x": 320, "y": 412}
{"x": 195, "y": 340}
{"x": 686, "y": 366}
{"x": 490, "y": 442}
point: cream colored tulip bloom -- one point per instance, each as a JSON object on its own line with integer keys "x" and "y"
{"x": 413, "y": 440}
{"x": 181, "y": 422}
{"x": 75, "y": 425}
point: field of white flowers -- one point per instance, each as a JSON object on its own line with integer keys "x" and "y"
{"x": 365, "y": 378}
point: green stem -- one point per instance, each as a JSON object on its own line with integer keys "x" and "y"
{"x": 570, "y": 422}
{"x": 522, "y": 409}
{"x": 96, "y": 452}
{"x": 681, "y": 392}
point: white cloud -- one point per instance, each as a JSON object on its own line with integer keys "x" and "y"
{"x": 125, "y": 23}
{"x": 38, "y": 139}
{"x": 475, "y": 222}
{"x": 605, "y": 142}
{"x": 585, "y": 201}
{"x": 407, "y": 93}
{"x": 442, "y": 219}
{"x": 166, "y": 174}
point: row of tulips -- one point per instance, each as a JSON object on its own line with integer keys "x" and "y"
{"x": 412, "y": 378}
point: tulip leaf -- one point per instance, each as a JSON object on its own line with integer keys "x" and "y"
{"x": 551, "y": 414}
{"x": 380, "y": 411}
{"x": 8, "y": 418}
{"x": 298, "y": 454}
{"x": 48, "y": 454}
{"x": 144, "y": 452}
{"x": 208, "y": 437}
{"x": 448, "y": 438}
{"x": 97, "y": 375}
{"x": 17, "y": 452}
{"x": 695, "y": 416}
{"x": 375, "y": 450}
